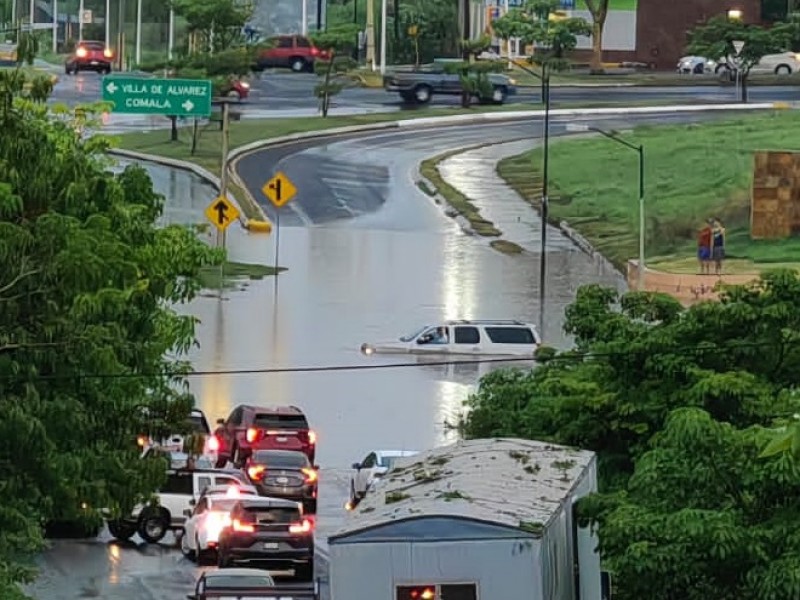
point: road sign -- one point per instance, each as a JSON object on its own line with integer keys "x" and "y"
{"x": 738, "y": 45}
{"x": 221, "y": 212}
{"x": 279, "y": 189}
{"x": 86, "y": 17}
{"x": 137, "y": 95}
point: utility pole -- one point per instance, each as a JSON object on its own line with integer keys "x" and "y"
{"x": 55, "y": 26}
{"x": 33, "y": 15}
{"x": 371, "y": 33}
{"x": 171, "y": 33}
{"x": 383, "y": 36}
{"x": 545, "y": 199}
{"x": 80, "y": 21}
{"x": 304, "y": 17}
{"x": 223, "y": 183}
{"x": 138, "y": 32}
{"x": 107, "y": 19}
{"x": 121, "y": 36}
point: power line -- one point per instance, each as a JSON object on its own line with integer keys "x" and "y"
{"x": 569, "y": 357}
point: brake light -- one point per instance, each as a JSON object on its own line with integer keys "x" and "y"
{"x": 256, "y": 473}
{"x": 304, "y": 527}
{"x": 314, "y": 51}
{"x": 213, "y": 443}
{"x": 242, "y": 527}
{"x": 311, "y": 475}
{"x": 81, "y": 52}
{"x": 312, "y": 438}
{"x": 141, "y": 441}
{"x": 108, "y": 53}
{"x": 253, "y": 434}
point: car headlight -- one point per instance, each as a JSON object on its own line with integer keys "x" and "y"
{"x": 512, "y": 81}
{"x": 245, "y": 85}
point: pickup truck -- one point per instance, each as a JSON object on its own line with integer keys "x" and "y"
{"x": 418, "y": 86}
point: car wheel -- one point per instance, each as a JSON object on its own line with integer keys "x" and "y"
{"x": 699, "y": 69}
{"x": 154, "y": 524}
{"x": 186, "y": 551}
{"x": 498, "y": 95}
{"x": 305, "y": 572}
{"x": 422, "y": 94}
{"x": 298, "y": 65}
{"x": 121, "y": 530}
{"x": 783, "y": 70}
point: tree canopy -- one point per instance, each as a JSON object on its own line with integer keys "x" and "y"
{"x": 88, "y": 338}
{"x": 679, "y": 404}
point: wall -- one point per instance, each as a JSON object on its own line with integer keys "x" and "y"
{"x": 506, "y": 569}
{"x": 619, "y": 32}
{"x": 661, "y": 27}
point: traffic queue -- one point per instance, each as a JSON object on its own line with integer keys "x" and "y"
{"x": 243, "y": 495}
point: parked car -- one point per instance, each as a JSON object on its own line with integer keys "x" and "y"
{"x": 783, "y": 63}
{"x": 89, "y": 56}
{"x": 696, "y": 65}
{"x": 153, "y": 521}
{"x": 374, "y": 466}
{"x": 246, "y": 583}
{"x": 295, "y": 52}
{"x": 250, "y": 428}
{"x": 284, "y": 474}
{"x": 270, "y": 531}
{"x": 420, "y": 85}
{"x": 206, "y": 520}
{"x": 197, "y": 425}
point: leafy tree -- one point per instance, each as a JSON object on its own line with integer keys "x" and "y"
{"x": 218, "y": 23}
{"x": 474, "y": 74}
{"x": 338, "y": 43}
{"x": 646, "y": 386}
{"x": 714, "y": 39}
{"x": 87, "y": 337}
{"x": 599, "y": 11}
{"x": 435, "y": 24}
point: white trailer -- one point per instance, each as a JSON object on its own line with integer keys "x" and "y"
{"x": 480, "y": 519}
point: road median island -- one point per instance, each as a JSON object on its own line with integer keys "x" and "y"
{"x": 693, "y": 172}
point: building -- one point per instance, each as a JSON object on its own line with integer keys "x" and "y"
{"x": 488, "y": 519}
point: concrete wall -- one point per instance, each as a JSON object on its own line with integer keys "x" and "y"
{"x": 503, "y": 569}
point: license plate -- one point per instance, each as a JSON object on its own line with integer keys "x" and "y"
{"x": 270, "y": 546}
{"x": 282, "y": 480}
{"x": 282, "y": 438}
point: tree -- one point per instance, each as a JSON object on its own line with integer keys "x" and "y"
{"x": 473, "y": 74}
{"x": 649, "y": 376}
{"x": 599, "y": 11}
{"x": 714, "y": 39}
{"x": 218, "y": 23}
{"x": 88, "y": 338}
{"x": 338, "y": 43}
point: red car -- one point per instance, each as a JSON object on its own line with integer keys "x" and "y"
{"x": 250, "y": 428}
{"x": 236, "y": 89}
{"x": 295, "y": 52}
{"x": 89, "y": 56}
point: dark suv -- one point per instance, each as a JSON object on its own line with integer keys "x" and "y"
{"x": 89, "y": 56}
{"x": 269, "y": 531}
{"x": 250, "y": 428}
{"x": 284, "y": 474}
{"x": 295, "y": 52}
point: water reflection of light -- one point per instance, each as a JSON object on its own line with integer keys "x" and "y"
{"x": 458, "y": 286}
{"x": 280, "y": 389}
{"x": 215, "y": 392}
{"x": 451, "y": 399}
{"x": 113, "y": 560}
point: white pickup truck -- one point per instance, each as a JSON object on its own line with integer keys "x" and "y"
{"x": 152, "y": 522}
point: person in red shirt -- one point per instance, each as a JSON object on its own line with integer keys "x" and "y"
{"x": 704, "y": 248}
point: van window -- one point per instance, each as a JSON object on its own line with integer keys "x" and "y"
{"x": 302, "y": 42}
{"x": 467, "y": 335}
{"x": 510, "y": 335}
{"x": 178, "y": 483}
{"x": 284, "y": 42}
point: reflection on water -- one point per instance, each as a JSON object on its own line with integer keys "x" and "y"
{"x": 347, "y": 286}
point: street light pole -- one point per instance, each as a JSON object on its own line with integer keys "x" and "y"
{"x": 545, "y": 199}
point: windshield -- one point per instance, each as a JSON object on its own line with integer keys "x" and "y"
{"x": 388, "y": 461}
{"x": 281, "y": 459}
{"x": 413, "y": 336}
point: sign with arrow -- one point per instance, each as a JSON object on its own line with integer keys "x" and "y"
{"x": 279, "y": 189}
{"x": 144, "y": 96}
{"x": 221, "y": 212}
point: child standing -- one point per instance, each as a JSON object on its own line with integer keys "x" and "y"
{"x": 704, "y": 248}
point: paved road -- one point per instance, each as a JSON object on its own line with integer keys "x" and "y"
{"x": 290, "y": 92}
{"x": 348, "y": 176}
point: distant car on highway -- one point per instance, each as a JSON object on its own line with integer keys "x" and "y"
{"x": 284, "y": 474}
{"x": 373, "y": 467}
{"x": 295, "y": 52}
{"x": 420, "y": 85}
{"x": 245, "y": 583}
{"x": 89, "y": 56}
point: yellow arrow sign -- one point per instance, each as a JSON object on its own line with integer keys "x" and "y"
{"x": 221, "y": 212}
{"x": 279, "y": 189}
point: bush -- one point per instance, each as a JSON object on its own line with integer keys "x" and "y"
{"x": 238, "y": 61}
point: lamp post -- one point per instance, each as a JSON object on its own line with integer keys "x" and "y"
{"x": 640, "y": 150}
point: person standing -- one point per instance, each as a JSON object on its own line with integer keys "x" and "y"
{"x": 704, "y": 248}
{"x": 717, "y": 246}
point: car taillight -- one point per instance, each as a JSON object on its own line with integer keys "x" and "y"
{"x": 312, "y": 438}
{"x": 81, "y": 52}
{"x": 213, "y": 443}
{"x": 311, "y": 475}
{"x": 141, "y": 441}
{"x": 257, "y": 472}
{"x": 108, "y": 53}
{"x": 253, "y": 434}
{"x": 243, "y": 527}
{"x": 303, "y": 527}
{"x": 315, "y": 51}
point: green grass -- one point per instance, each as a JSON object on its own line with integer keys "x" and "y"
{"x": 692, "y": 172}
{"x": 233, "y": 273}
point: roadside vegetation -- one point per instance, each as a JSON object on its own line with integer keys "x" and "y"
{"x": 698, "y": 483}
{"x": 693, "y": 172}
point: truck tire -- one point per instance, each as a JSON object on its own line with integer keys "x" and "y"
{"x": 422, "y": 94}
{"x": 154, "y": 524}
{"x": 121, "y": 530}
{"x": 298, "y": 65}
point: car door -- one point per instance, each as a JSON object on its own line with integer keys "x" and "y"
{"x": 190, "y": 527}
{"x": 284, "y": 48}
{"x": 466, "y": 339}
{"x": 232, "y": 425}
{"x": 364, "y": 475}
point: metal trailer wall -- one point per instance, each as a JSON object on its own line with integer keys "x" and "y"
{"x": 503, "y": 569}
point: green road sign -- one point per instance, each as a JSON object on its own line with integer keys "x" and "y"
{"x": 180, "y": 97}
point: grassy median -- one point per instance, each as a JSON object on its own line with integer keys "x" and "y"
{"x": 692, "y": 172}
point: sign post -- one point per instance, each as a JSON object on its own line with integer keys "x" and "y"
{"x": 174, "y": 97}
{"x": 279, "y": 190}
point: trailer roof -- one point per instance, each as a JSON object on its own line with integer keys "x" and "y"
{"x": 508, "y": 482}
